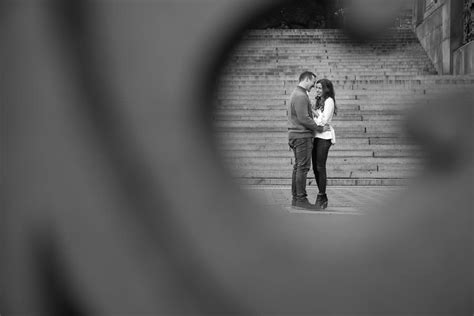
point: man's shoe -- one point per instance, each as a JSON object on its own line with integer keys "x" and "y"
{"x": 303, "y": 205}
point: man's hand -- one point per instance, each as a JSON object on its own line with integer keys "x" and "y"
{"x": 315, "y": 113}
{"x": 322, "y": 129}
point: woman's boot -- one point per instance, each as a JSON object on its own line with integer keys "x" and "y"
{"x": 322, "y": 201}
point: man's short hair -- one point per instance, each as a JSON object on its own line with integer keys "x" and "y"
{"x": 307, "y": 74}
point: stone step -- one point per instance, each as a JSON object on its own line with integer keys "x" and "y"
{"x": 282, "y": 136}
{"x": 282, "y": 146}
{"x": 264, "y": 83}
{"x": 341, "y": 132}
{"x": 326, "y": 58}
{"x": 284, "y": 170}
{"x": 420, "y": 79}
{"x": 339, "y": 70}
{"x": 298, "y": 51}
{"x": 327, "y": 41}
{"x": 342, "y": 107}
{"x": 293, "y": 67}
{"x": 256, "y": 134}
{"x": 282, "y": 124}
{"x": 344, "y": 84}
{"x": 282, "y": 100}
{"x": 381, "y": 140}
{"x": 331, "y": 165}
{"x": 340, "y": 117}
{"x": 337, "y": 73}
{"x": 284, "y": 68}
{"x": 396, "y": 51}
{"x": 388, "y": 106}
{"x": 282, "y": 90}
{"x": 279, "y": 102}
{"x": 345, "y": 46}
{"x": 284, "y": 96}
{"x": 285, "y": 91}
{"x": 331, "y": 182}
{"x": 301, "y": 51}
{"x": 356, "y": 105}
{"x": 314, "y": 41}
{"x": 237, "y": 139}
{"x": 334, "y": 152}
{"x": 333, "y": 173}
{"x": 279, "y": 97}
{"x": 265, "y": 45}
{"x": 327, "y": 38}
{"x": 280, "y": 112}
{"x": 282, "y": 106}
{"x": 251, "y": 67}
{"x": 334, "y": 40}
{"x": 352, "y": 74}
{"x": 326, "y": 65}
{"x": 327, "y": 35}
{"x": 278, "y": 162}
{"x": 345, "y": 112}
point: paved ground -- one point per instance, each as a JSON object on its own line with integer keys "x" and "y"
{"x": 342, "y": 200}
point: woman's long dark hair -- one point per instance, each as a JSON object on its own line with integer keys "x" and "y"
{"x": 328, "y": 91}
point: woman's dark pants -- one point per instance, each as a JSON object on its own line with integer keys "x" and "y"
{"x": 319, "y": 157}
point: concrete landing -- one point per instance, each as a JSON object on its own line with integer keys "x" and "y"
{"x": 343, "y": 200}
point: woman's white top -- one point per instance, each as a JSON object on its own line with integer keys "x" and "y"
{"x": 325, "y": 117}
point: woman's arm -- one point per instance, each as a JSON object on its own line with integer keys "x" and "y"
{"x": 327, "y": 113}
{"x": 326, "y": 127}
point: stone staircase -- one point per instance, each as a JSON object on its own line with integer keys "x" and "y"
{"x": 376, "y": 83}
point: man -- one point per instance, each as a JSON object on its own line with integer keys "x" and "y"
{"x": 301, "y": 131}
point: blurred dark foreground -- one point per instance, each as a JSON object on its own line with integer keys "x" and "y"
{"x": 115, "y": 200}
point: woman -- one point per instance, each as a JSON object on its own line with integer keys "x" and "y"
{"x": 324, "y": 110}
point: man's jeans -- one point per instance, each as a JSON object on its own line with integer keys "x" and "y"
{"x": 302, "y": 149}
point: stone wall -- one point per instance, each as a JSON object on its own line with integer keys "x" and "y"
{"x": 463, "y": 55}
{"x": 463, "y": 60}
{"x": 434, "y": 33}
{"x": 439, "y": 26}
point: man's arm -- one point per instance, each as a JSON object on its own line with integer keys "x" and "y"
{"x": 301, "y": 109}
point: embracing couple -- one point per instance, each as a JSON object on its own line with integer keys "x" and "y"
{"x": 310, "y": 136}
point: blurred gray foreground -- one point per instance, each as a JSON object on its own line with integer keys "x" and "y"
{"x": 115, "y": 200}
